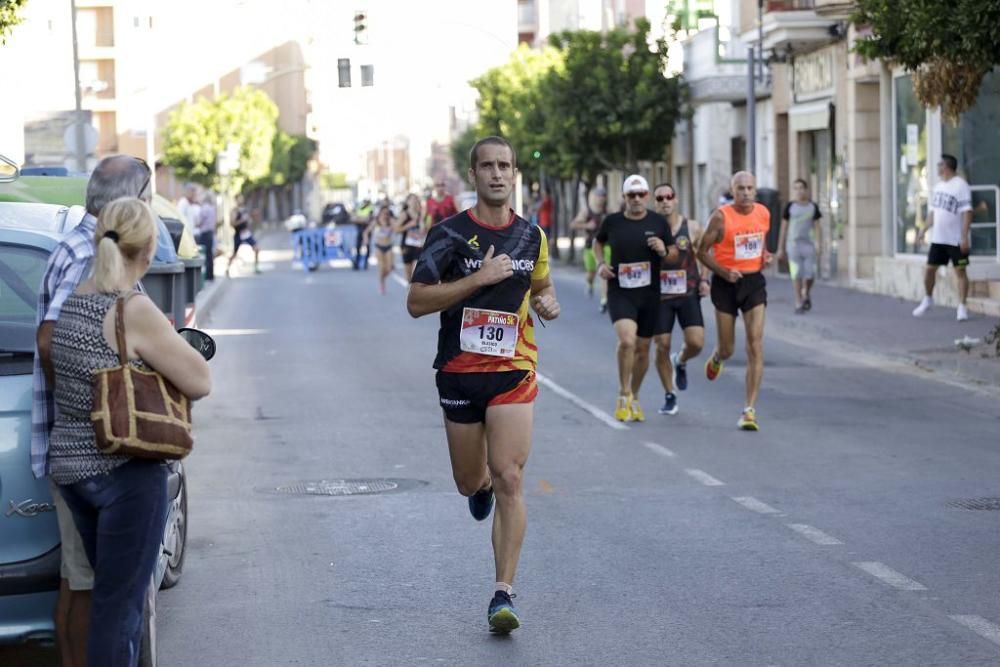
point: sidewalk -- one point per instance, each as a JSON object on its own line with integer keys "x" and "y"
{"x": 881, "y": 327}
{"x": 884, "y": 326}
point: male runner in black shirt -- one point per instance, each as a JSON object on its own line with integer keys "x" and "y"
{"x": 482, "y": 269}
{"x": 640, "y": 239}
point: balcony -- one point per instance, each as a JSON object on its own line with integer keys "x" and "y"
{"x": 835, "y": 9}
{"x": 794, "y": 26}
{"x": 716, "y": 71}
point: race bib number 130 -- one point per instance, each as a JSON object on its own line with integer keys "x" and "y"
{"x": 490, "y": 332}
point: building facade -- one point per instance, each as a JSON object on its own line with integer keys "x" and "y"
{"x": 853, "y": 130}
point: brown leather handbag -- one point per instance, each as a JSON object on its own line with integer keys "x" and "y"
{"x": 138, "y": 412}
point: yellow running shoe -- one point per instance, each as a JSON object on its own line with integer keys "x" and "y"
{"x": 623, "y": 412}
{"x": 713, "y": 368}
{"x": 748, "y": 420}
{"x": 636, "y": 410}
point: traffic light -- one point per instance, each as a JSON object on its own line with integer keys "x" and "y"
{"x": 360, "y": 27}
{"x": 537, "y": 155}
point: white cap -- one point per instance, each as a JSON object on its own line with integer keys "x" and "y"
{"x": 635, "y": 183}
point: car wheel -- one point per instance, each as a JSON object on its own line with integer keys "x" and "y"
{"x": 178, "y": 546}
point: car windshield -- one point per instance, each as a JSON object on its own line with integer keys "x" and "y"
{"x": 21, "y": 269}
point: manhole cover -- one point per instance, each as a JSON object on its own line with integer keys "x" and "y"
{"x": 989, "y": 504}
{"x": 344, "y": 487}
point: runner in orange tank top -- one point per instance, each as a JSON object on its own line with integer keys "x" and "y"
{"x": 734, "y": 248}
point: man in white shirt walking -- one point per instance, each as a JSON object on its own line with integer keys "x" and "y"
{"x": 950, "y": 222}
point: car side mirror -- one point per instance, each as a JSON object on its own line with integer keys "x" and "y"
{"x": 200, "y": 341}
{"x": 9, "y": 171}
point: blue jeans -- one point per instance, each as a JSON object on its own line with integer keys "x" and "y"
{"x": 120, "y": 516}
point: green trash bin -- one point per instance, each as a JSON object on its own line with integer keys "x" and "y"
{"x": 192, "y": 285}
{"x": 164, "y": 284}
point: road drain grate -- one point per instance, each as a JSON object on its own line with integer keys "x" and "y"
{"x": 344, "y": 487}
{"x": 987, "y": 504}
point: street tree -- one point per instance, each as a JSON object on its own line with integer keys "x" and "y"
{"x": 461, "y": 146}
{"x": 611, "y": 103}
{"x": 196, "y": 134}
{"x": 10, "y": 16}
{"x": 513, "y": 104}
{"x": 948, "y": 46}
{"x": 290, "y": 155}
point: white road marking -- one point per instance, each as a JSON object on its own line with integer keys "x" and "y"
{"x": 755, "y": 505}
{"x": 814, "y": 535}
{"x": 400, "y": 280}
{"x": 596, "y": 413}
{"x": 704, "y": 477}
{"x": 980, "y": 626}
{"x": 659, "y": 449}
{"x": 890, "y": 576}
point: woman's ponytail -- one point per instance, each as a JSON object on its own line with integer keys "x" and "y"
{"x": 126, "y": 228}
{"x": 109, "y": 265}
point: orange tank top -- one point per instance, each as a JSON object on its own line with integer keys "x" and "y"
{"x": 743, "y": 245}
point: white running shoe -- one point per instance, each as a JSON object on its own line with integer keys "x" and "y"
{"x": 963, "y": 313}
{"x": 924, "y": 306}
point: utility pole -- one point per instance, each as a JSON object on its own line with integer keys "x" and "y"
{"x": 751, "y": 112}
{"x": 81, "y": 150}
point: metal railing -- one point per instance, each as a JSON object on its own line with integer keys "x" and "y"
{"x": 789, "y": 5}
{"x": 996, "y": 212}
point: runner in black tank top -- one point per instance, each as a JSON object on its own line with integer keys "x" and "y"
{"x": 413, "y": 225}
{"x": 681, "y": 289}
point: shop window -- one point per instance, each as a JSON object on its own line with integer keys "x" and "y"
{"x": 975, "y": 141}
{"x": 910, "y": 162}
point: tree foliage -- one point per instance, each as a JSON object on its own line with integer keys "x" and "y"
{"x": 290, "y": 155}
{"x": 948, "y": 46}
{"x": 196, "y": 133}
{"x": 10, "y": 16}
{"x": 512, "y": 101}
{"x": 588, "y": 102}
{"x": 460, "y": 149}
{"x": 619, "y": 107}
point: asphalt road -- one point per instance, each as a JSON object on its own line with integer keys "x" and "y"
{"x": 828, "y": 538}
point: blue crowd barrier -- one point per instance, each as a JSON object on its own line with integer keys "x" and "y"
{"x": 315, "y": 246}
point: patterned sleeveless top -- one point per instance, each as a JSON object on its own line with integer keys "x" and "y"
{"x": 79, "y": 348}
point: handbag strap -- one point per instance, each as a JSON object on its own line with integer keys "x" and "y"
{"x": 120, "y": 327}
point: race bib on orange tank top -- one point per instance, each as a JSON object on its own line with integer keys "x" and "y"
{"x": 749, "y": 246}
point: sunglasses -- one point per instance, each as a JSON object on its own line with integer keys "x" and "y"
{"x": 149, "y": 176}
{"x": 669, "y": 197}
{"x": 636, "y": 195}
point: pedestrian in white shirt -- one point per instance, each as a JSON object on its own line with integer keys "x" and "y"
{"x": 950, "y": 222}
{"x": 190, "y": 208}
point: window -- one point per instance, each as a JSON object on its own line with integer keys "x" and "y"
{"x": 910, "y": 162}
{"x": 976, "y": 144}
{"x": 21, "y": 270}
{"x": 344, "y": 72}
{"x": 367, "y": 76}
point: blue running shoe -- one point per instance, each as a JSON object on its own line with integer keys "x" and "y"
{"x": 669, "y": 404}
{"x": 481, "y": 503}
{"x": 503, "y": 619}
{"x": 680, "y": 372}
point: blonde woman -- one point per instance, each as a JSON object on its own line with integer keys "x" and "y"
{"x": 119, "y": 504}
{"x": 413, "y": 224}
{"x": 381, "y": 230}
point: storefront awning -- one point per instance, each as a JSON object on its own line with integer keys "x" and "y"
{"x": 808, "y": 117}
